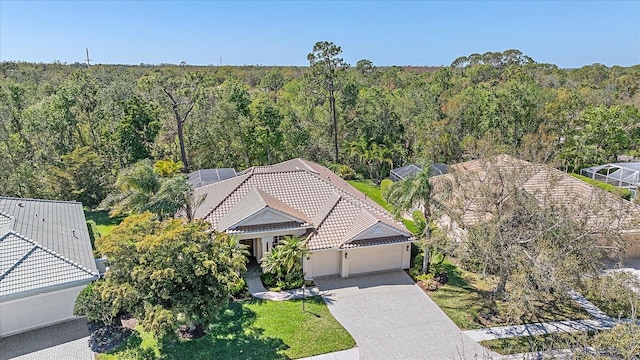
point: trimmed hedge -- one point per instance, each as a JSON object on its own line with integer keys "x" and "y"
{"x": 623, "y": 193}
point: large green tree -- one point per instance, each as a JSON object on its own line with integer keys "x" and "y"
{"x": 326, "y": 69}
{"x": 169, "y": 273}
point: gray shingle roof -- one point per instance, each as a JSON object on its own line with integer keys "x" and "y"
{"x": 331, "y": 204}
{"x": 27, "y": 267}
{"x": 43, "y": 243}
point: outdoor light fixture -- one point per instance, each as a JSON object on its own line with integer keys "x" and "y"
{"x": 345, "y": 255}
{"x": 308, "y": 257}
{"x": 407, "y": 247}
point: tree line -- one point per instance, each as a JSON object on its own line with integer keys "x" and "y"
{"x": 67, "y": 131}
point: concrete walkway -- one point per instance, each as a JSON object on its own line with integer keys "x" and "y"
{"x": 600, "y": 321}
{"x": 390, "y": 317}
{"x": 589, "y": 307}
{"x": 502, "y": 332}
{"x": 64, "y": 341}
{"x": 258, "y": 291}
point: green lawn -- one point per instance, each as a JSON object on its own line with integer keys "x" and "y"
{"x": 524, "y": 344}
{"x": 373, "y": 192}
{"x": 254, "y": 329}
{"x": 105, "y": 224}
{"x": 467, "y": 295}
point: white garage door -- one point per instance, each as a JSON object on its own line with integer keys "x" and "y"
{"x": 375, "y": 259}
{"x": 37, "y": 311}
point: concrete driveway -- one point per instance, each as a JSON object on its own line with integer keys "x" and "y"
{"x": 64, "y": 341}
{"x": 392, "y": 318}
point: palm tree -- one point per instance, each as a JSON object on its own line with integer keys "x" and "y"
{"x": 285, "y": 258}
{"x": 139, "y": 188}
{"x": 175, "y": 194}
{"x": 134, "y": 188}
{"x": 417, "y": 191}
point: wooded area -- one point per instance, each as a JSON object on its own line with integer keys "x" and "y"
{"x": 67, "y": 130}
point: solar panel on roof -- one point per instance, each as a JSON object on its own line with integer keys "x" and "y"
{"x": 204, "y": 177}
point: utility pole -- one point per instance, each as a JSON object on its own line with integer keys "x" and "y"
{"x": 88, "y": 60}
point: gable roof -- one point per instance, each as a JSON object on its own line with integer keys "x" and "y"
{"x": 301, "y": 189}
{"x": 43, "y": 244}
{"x": 252, "y": 203}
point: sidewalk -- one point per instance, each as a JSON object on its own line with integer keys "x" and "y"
{"x": 258, "y": 291}
{"x": 502, "y": 332}
{"x": 599, "y": 321}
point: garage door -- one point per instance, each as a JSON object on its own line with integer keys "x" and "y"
{"x": 37, "y": 311}
{"x": 375, "y": 259}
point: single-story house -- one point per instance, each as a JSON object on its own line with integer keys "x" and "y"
{"x": 346, "y": 232}
{"x": 45, "y": 261}
{"x": 594, "y": 207}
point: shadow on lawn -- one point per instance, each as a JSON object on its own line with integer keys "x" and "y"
{"x": 232, "y": 336}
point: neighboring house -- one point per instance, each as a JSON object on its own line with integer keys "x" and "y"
{"x": 346, "y": 232}
{"x": 404, "y": 172}
{"x": 203, "y": 177}
{"x": 599, "y": 209}
{"x": 45, "y": 261}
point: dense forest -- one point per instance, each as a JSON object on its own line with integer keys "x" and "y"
{"x": 67, "y": 130}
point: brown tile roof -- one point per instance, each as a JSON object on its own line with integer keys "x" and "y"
{"x": 311, "y": 190}
{"x": 253, "y": 202}
{"x": 547, "y": 185}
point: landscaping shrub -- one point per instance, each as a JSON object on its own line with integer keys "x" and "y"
{"x": 108, "y": 337}
{"x": 384, "y": 185}
{"x": 346, "y": 172}
{"x": 89, "y": 303}
{"x": 623, "y": 193}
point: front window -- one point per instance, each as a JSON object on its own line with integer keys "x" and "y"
{"x": 277, "y": 239}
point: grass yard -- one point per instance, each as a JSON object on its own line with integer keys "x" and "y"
{"x": 105, "y": 224}
{"x": 373, "y": 192}
{"x": 524, "y": 344}
{"x": 466, "y": 296}
{"x": 253, "y": 329}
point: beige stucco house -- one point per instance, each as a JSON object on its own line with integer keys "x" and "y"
{"x": 346, "y": 232}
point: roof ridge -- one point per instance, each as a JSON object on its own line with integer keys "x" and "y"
{"x": 40, "y": 200}
{"x": 37, "y": 245}
{"x": 228, "y": 195}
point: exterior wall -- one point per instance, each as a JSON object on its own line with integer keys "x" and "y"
{"x": 322, "y": 263}
{"x": 37, "y": 311}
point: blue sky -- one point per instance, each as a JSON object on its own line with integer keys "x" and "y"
{"x": 566, "y": 33}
